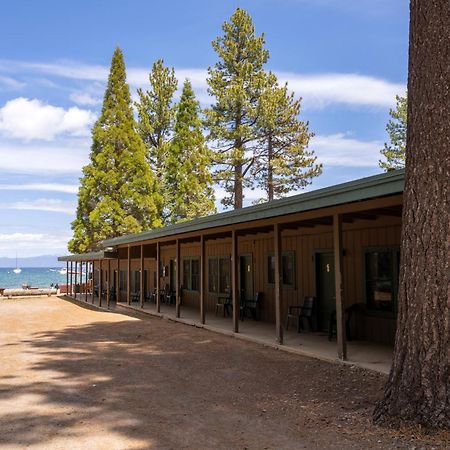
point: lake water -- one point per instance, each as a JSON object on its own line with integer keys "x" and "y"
{"x": 35, "y": 277}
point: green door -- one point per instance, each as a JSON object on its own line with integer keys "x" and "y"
{"x": 246, "y": 277}
{"x": 325, "y": 288}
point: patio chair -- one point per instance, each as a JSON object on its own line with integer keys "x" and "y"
{"x": 251, "y": 306}
{"x": 298, "y": 313}
{"x": 224, "y": 304}
{"x": 135, "y": 296}
{"x": 151, "y": 296}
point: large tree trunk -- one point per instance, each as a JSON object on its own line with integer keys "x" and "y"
{"x": 418, "y": 389}
{"x": 269, "y": 168}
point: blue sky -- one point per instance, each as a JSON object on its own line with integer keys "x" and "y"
{"x": 347, "y": 59}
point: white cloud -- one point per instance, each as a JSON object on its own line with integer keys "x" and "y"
{"x": 50, "y": 187}
{"x": 85, "y": 98}
{"x": 317, "y": 90}
{"x": 32, "y": 244}
{"x": 32, "y": 119}
{"x": 42, "y": 204}
{"x": 63, "y": 157}
{"x": 11, "y": 83}
{"x": 341, "y": 150}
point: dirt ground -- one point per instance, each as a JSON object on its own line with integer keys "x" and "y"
{"x": 73, "y": 378}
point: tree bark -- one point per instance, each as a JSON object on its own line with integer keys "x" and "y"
{"x": 269, "y": 168}
{"x": 418, "y": 389}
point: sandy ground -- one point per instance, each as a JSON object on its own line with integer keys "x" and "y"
{"x": 73, "y": 378}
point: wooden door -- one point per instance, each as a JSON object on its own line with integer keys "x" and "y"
{"x": 246, "y": 277}
{"x": 325, "y": 288}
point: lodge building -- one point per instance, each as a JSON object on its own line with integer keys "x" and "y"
{"x": 338, "y": 246}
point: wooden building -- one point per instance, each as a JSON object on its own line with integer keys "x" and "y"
{"x": 339, "y": 244}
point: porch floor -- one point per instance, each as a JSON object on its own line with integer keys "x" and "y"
{"x": 365, "y": 354}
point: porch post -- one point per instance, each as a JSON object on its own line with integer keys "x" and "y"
{"x": 108, "y": 284}
{"x": 202, "y": 279}
{"x": 158, "y": 297}
{"x": 76, "y": 276}
{"x": 86, "y": 280}
{"x": 118, "y": 278}
{"x": 277, "y": 248}
{"x": 177, "y": 281}
{"x": 71, "y": 284}
{"x": 92, "y": 271}
{"x": 234, "y": 280}
{"x": 340, "y": 313}
{"x": 129, "y": 276}
{"x": 141, "y": 281}
{"x": 100, "y": 282}
{"x": 67, "y": 277}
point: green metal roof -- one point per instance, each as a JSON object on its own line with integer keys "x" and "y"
{"x": 389, "y": 183}
{"x": 92, "y": 256}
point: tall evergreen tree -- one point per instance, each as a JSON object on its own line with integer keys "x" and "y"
{"x": 235, "y": 82}
{"x": 156, "y": 114}
{"x": 117, "y": 192}
{"x": 188, "y": 177}
{"x": 282, "y": 163}
{"x": 396, "y": 128}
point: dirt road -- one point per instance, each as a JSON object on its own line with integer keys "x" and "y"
{"x": 73, "y": 378}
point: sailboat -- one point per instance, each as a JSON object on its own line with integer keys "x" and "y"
{"x": 17, "y": 269}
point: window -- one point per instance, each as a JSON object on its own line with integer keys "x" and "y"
{"x": 123, "y": 280}
{"x": 136, "y": 280}
{"x": 287, "y": 269}
{"x": 191, "y": 274}
{"x": 381, "y": 278}
{"x": 219, "y": 274}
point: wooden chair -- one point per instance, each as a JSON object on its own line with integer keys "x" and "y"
{"x": 224, "y": 304}
{"x": 251, "y": 306}
{"x": 298, "y": 313}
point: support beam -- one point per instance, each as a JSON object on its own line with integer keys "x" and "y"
{"x": 177, "y": 281}
{"x": 67, "y": 277}
{"x": 202, "y": 279}
{"x": 158, "y": 274}
{"x": 338, "y": 266}
{"x": 278, "y": 292}
{"x": 76, "y": 277}
{"x": 108, "y": 284}
{"x": 141, "y": 280}
{"x": 118, "y": 279}
{"x": 100, "y": 282}
{"x": 93, "y": 272}
{"x": 71, "y": 275}
{"x": 129, "y": 276}
{"x": 86, "y": 280}
{"x": 235, "y": 280}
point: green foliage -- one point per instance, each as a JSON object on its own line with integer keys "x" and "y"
{"x": 236, "y": 82}
{"x": 156, "y": 114}
{"x": 188, "y": 178}
{"x": 117, "y": 192}
{"x": 396, "y": 128}
{"x": 282, "y": 162}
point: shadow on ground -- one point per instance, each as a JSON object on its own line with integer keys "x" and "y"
{"x": 156, "y": 384}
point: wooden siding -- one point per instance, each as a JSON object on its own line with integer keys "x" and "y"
{"x": 305, "y": 243}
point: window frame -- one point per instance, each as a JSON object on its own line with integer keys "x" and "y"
{"x": 395, "y": 252}
{"x": 294, "y": 270}
{"x": 217, "y": 259}
{"x": 189, "y": 286}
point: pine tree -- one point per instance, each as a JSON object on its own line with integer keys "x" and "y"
{"x": 282, "y": 163}
{"x": 396, "y": 128}
{"x": 236, "y": 82}
{"x": 188, "y": 178}
{"x": 117, "y": 192}
{"x": 156, "y": 114}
